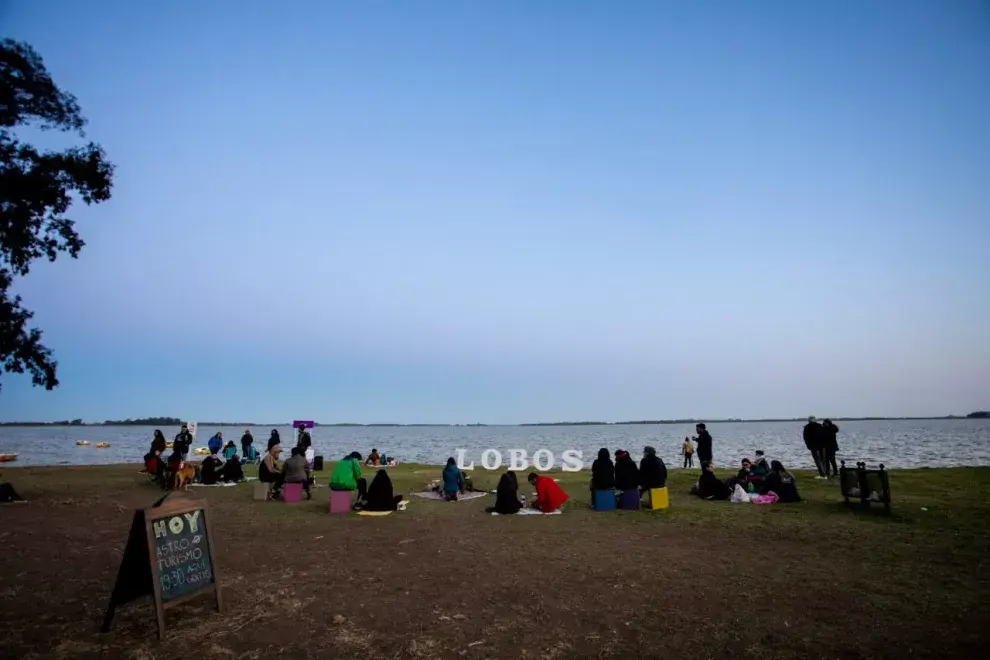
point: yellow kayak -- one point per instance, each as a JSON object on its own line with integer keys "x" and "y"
{"x": 201, "y": 451}
{"x": 102, "y": 445}
{"x": 82, "y": 443}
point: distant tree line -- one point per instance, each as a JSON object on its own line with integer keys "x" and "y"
{"x": 144, "y": 421}
{"x": 983, "y": 414}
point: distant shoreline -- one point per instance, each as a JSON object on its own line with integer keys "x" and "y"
{"x": 176, "y": 422}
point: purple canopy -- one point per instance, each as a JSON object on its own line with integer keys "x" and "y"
{"x": 303, "y": 424}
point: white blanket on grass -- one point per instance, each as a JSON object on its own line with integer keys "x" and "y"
{"x": 530, "y": 512}
{"x": 225, "y": 483}
{"x": 461, "y": 497}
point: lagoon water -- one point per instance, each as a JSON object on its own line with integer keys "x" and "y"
{"x": 897, "y": 444}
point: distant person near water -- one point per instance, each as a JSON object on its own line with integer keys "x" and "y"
{"x": 274, "y": 439}
{"x": 688, "y": 450}
{"x": 246, "y": 441}
{"x": 814, "y": 440}
{"x": 305, "y": 440}
{"x": 183, "y": 441}
{"x": 831, "y": 448}
{"x": 704, "y": 444}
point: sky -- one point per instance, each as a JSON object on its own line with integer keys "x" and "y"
{"x": 520, "y": 211}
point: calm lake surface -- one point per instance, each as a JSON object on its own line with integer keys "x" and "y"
{"x": 897, "y": 444}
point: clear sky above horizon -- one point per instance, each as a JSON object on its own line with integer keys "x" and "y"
{"x": 520, "y": 211}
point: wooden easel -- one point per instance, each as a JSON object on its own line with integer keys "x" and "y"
{"x": 139, "y": 574}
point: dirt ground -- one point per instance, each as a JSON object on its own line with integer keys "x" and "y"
{"x": 445, "y": 580}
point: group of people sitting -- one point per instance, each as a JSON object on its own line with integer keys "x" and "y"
{"x": 756, "y": 478}
{"x": 379, "y": 496}
{"x": 223, "y": 465}
{"x": 623, "y": 475}
{"x": 295, "y": 470}
{"x": 375, "y": 459}
{"x": 550, "y": 497}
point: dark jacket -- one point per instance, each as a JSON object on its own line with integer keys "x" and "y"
{"x": 232, "y": 471}
{"x": 626, "y": 473}
{"x": 158, "y": 444}
{"x": 381, "y": 496}
{"x": 831, "y": 437}
{"x": 507, "y": 495}
{"x": 246, "y": 441}
{"x": 305, "y": 440}
{"x": 652, "y": 472}
{"x": 273, "y": 440}
{"x": 783, "y": 483}
{"x": 814, "y": 436}
{"x": 704, "y": 446}
{"x": 711, "y": 487}
{"x": 602, "y": 471}
{"x": 183, "y": 440}
{"x": 210, "y": 471}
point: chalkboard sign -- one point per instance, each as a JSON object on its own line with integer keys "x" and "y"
{"x": 168, "y": 556}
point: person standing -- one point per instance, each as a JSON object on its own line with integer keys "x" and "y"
{"x": 305, "y": 440}
{"x": 831, "y": 448}
{"x": 704, "y": 444}
{"x": 274, "y": 439}
{"x": 688, "y": 450}
{"x": 246, "y": 441}
{"x": 183, "y": 441}
{"x": 814, "y": 440}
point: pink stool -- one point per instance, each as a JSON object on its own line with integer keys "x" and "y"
{"x": 291, "y": 492}
{"x": 340, "y": 501}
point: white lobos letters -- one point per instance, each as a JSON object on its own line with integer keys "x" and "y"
{"x": 543, "y": 460}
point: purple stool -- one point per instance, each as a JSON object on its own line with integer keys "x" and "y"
{"x": 292, "y": 492}
{"x": 340, "y": 501}
{"x": 629, "y": 499}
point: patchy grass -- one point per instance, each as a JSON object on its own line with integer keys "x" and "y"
{"x": 702, "y": 579}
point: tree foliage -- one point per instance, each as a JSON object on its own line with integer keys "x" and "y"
{"x": 37, "y": 188}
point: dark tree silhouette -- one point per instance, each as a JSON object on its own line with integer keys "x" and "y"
{"x": 36, "y": 190}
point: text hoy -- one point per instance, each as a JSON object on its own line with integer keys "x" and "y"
{"x": 543, "y": 460}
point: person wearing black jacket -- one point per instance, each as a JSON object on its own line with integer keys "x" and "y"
{"x": 506, "y": 495}
{"x": 814, "y": 440}
{"x": 831, "y": 448}
{"x": 183, "y": 441}
{"x": 602, "y": 473}
{"x": 652, "y": 471}
{"x": 626, "y": 472}
{"x": 704, "y": 444}
{"x": 710, "y": 487}
{"x": 305, "y": 440}
{"x": 246, "y": 441}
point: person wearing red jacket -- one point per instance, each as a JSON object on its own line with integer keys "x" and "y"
{"x": 549, "y": 496}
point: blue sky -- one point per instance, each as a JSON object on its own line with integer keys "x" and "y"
{"x": 520, "y": 211}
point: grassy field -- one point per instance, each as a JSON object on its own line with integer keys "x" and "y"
{"x": 700, "y": 580}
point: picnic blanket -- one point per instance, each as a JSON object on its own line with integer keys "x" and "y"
{"x": 530, "y": 512}
{"x": 225, "y": 483}
{"x": 375, "y": 513}
{"x": 461, "y": 497}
